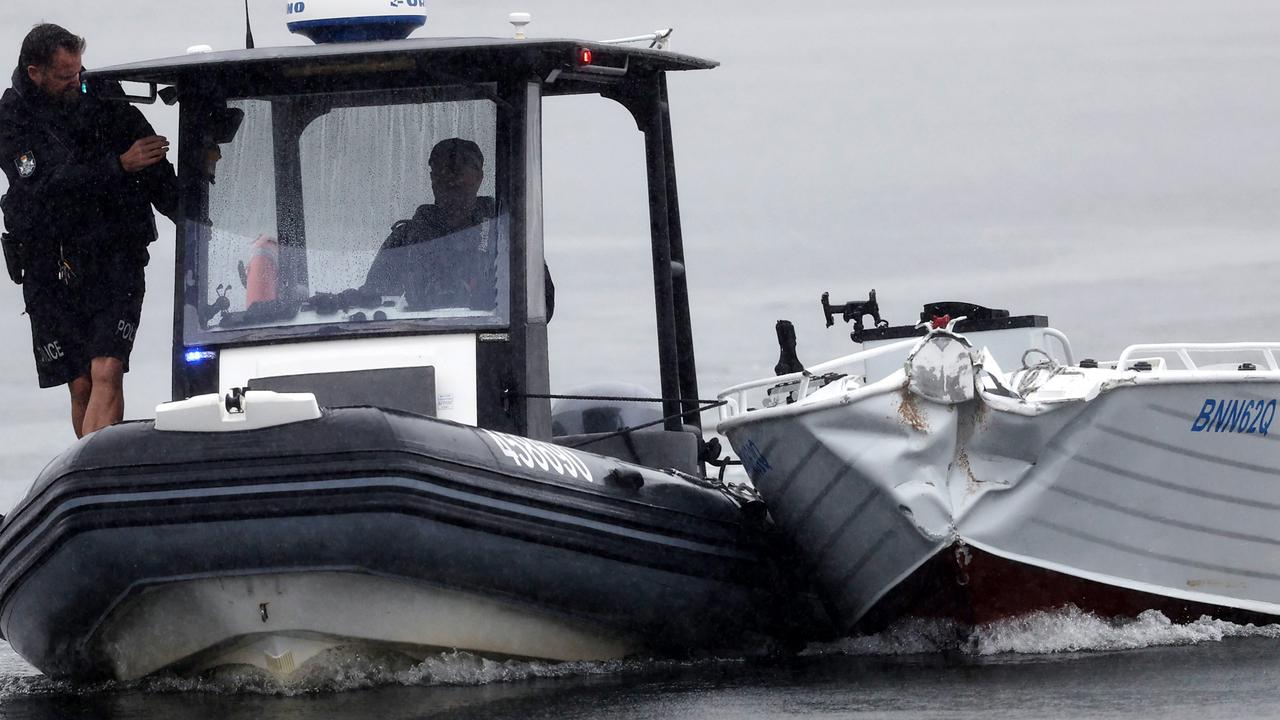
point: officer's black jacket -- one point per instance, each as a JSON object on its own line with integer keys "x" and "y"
{"x": 77, "y": 200}
{"x": 397, "y": 270}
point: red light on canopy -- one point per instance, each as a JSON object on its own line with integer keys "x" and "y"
{"x": 585, "y": 56}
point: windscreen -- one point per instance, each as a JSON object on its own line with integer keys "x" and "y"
{"x": 360, "y": 210}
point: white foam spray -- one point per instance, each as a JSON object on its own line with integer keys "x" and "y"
{"x": 345, "y": 669}
{"x": 1066, "y": 630}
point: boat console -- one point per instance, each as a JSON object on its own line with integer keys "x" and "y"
{"x": 313, "y": 229}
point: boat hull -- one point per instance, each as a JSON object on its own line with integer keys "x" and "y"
{"x": 974, "y": 588}
{"x": 1121, "y": 491}
{"x": 141, "y": 550}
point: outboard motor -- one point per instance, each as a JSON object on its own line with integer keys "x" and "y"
{"x": 600, "y": 420}
{"x": 334, "y": 21}
{"x": 584, "y": 417}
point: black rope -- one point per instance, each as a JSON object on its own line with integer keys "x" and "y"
{"x": 614, "y": 398}
{"x": 627, "y": 430}
{"x": 707, "y": 405}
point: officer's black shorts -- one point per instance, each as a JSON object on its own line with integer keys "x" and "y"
{"x": 72, "y": 324}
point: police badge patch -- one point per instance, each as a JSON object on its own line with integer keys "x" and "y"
{"x": 26, "y": 163}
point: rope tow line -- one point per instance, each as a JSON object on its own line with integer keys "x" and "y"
{"x": 704, "y": 405}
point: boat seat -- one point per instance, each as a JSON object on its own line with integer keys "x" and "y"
{"x": 652, "y": 448}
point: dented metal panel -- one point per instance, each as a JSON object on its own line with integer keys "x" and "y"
{"x": 1161, "y": 483}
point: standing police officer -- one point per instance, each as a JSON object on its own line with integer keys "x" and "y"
{"x": 83, "y": 174}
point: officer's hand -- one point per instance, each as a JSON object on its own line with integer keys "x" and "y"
{"x": 144, "y": 153}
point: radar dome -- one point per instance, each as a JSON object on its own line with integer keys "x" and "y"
{"x": 327, "y": 21}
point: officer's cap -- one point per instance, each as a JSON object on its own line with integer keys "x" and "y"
{"x": 457, "y": 149}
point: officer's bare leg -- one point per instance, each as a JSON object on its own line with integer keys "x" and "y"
{"x": 79, "y": 388}
{"x": 106, "y": 400}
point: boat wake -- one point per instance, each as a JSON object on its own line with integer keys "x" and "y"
{"x": 1058, "y": 632}
{"x": 1066, "y": 630}
{"x": 341, "y": 670}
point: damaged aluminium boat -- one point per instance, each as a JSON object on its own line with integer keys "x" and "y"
{"x": 919, "y": 477}
{"x": 352, "y": 464}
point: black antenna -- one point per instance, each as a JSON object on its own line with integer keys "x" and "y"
{"x": 248, "y": 31}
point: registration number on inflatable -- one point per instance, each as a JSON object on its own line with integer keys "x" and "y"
{"x": 542, "y": 456}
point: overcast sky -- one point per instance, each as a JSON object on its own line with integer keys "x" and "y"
{"x": 1114, "y": 164}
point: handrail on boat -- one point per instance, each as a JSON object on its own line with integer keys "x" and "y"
{"x": 1183, "y": 351}
{"x": 733, "y": 396}
{"x": 1063, "y": 342}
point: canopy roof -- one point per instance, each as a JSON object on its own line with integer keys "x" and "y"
{"x": 488, "y": 56}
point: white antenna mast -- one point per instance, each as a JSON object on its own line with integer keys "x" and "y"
{"x": 657, "y": 39}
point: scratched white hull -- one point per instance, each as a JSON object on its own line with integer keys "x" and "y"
{"x": 1115, "y": 490}
{"x": 209, "y": 623}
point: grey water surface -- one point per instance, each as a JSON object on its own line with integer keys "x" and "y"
{"x": 1068, "y": 666}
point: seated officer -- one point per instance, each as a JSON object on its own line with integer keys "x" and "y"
{"x": 446, "y": 255}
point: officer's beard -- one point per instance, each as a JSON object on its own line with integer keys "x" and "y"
{"x": 63, "y": 100}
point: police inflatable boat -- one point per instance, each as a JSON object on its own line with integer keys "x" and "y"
{"x": 377, "y": 465}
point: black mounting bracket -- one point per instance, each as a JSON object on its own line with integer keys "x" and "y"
{"x": 854, "y": 311}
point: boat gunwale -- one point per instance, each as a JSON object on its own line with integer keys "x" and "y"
{"x": 421, "y": 453}
{"x": 898, "y": 380}
{"x": 656, "y": 555}
{"x": 49, "y": 509}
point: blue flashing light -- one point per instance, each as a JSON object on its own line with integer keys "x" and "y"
{"x": 195, "y": 356}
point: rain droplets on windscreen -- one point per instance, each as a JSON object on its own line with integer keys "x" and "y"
{"x": 362, "y": 160}
{"x": 364, "y": 168}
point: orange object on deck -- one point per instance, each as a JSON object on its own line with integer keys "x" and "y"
{"x": 262, "y": 278}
